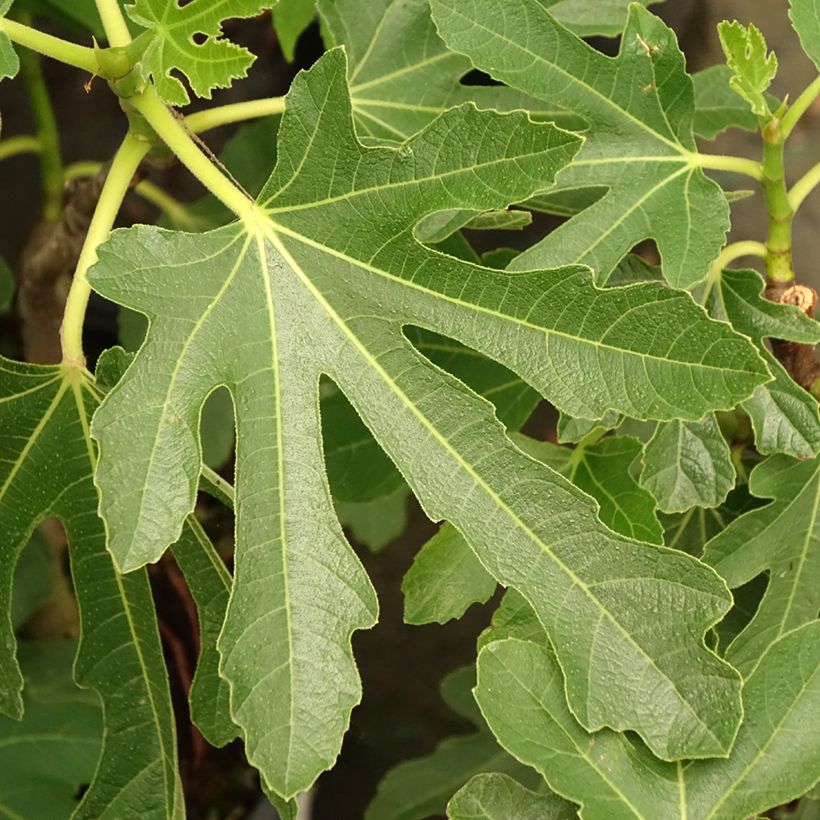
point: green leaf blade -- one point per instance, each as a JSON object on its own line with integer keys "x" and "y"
{"x": 213, "y": 63}
{"x": 322, "y": 284}
{"x": 753, "y": 69}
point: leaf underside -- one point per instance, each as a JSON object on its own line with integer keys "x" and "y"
{"x": 321, "y": 282}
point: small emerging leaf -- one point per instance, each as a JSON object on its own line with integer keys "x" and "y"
{"x": 753, "y": 69}
{"x": 188, "y": 39}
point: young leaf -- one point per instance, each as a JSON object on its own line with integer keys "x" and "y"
{"x": 402, "y": 76}
{"x": 445, "y": 579}
{"x": 49, "y": 755}
{"x": 9, "y": 63}
{"x": 688, "y": 464}
{"x": 753, "y": 69}
{"x": 321, "y": 280}
{"x": 718, "y": 106}
{"x": 495, "y": 796}
{"x": 48, "y": 463}
{"x": 639, "y": 109}
{"x": 785, "y": 417}
{"x": 290, "y": 19}
{"x": 416, "y": 789}
{"x": 188, "y": 39}
{"x": 783, "y": 539}
{"x": 805, "y": 17}
{"x": 521, "y": 694}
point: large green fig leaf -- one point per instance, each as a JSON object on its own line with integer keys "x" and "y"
{"x": 640, "y": 145}
{"x": 47, "y": 463}
{"x": 521, "y": 694}
{"x": 319, "y": 278}
{"x": 781, "y": 539}
{"x": 785, "y": 418}
{"x": 172, "y": 44}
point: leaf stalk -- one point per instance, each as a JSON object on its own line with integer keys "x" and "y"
{"x": 113, "y": 21}
{"x": 174, "y": 134}
{"x": 54, "y": 47}
{"x": 801, "y": 105}
{"x": 804, "y": 186}
{"x": 117, "y": 183}
{"x": 236, "y": 112}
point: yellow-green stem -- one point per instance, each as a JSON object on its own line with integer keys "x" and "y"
{"x": 116, "y": 29}
{"x": 61, "y": 50}
{"x": 48, "y": 135}
{"x": 14, "y": 146}
{"x": 236, "y": 112}
{"x": 172, "y": 132}
{"x": 804, "y": 186}
{"x": 737, "y": 165}
{"x": 800, "y": 106}
{"x": 117, "y": 183}
{"x": 781, "y": 215}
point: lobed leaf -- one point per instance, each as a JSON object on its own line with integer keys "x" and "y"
{"x": 781, "y": 539}
{"x": 753, "y": 69}
{"x": 639, "y": 108}
{"x": 805, "y": 17}
{"x": 188, "y": 39}
{"x": 603, "y": 17}
{"x": 785, "y": 417}
{"x": 688, "y": 464}
{"x": 521, "y": 694}
{"x": 494, "y": 796}
{"x": 48, "y": 462}
{"x": 321, "y": 281}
